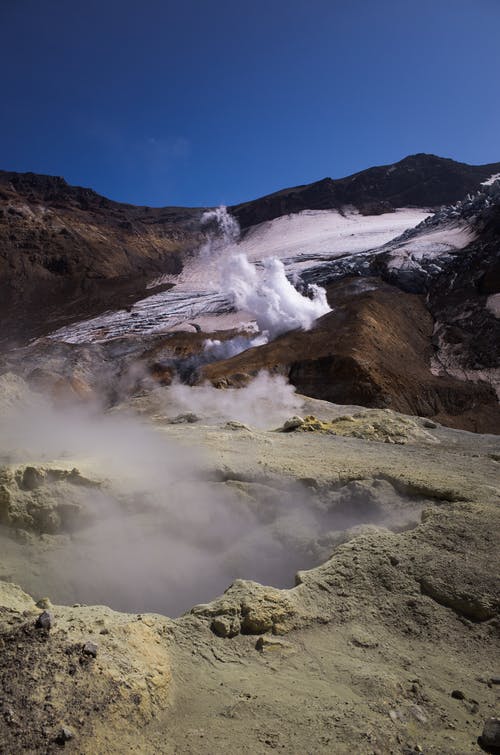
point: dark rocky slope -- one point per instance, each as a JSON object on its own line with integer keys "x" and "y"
{"x": 416, "y": 181}
{"x": 67, "y": 253}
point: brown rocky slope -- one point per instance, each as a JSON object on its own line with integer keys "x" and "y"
{"x": 67, "y": 253}
{"x": 373, "y": 349}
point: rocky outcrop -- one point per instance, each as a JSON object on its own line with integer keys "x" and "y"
{"x": 381, "y": 425}
{"x": 44, "y": 500}
{"x": 92, "y": 676}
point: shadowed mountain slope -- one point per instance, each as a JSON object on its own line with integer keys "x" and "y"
{"x": 416, "y": 181}
{"x": 67, "y": 253}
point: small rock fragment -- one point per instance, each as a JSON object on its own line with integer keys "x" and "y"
{"x": 43, "y": 603}
{"x": 272, "y": 643}
{"x": 64, "y": 735}
{"x": 491, "y": 733}
{"x": 45, "y": 620}
{"x": 494, "y": 679}
{"x": 430, "y": 424}
{"x": 457, "y": 694}
{"x": 90, "y": 648}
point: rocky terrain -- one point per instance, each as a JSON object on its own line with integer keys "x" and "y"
{"x": 387, "y": 645}
{"x": 241, "y": 505}
{"x": 67, "y": 253}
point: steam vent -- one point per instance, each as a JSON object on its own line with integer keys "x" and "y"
{"x": 249, "y": 448}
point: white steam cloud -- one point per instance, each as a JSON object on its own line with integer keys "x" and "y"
{"x": 265, "y": 403}
{"x": 170, "y": 526}
{"x": 263, "y": 291}
{"x": 268, "y": 294}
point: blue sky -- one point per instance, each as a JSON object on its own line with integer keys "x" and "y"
{"x": 199, "y": 103}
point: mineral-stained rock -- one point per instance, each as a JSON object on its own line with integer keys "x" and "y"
{"x": 255, "y": 608}
{"x": 44, "y": 603}
{"x": 373, "y": 424}
{"x": 294, "y": 423}
{"x": 44, "y": 499}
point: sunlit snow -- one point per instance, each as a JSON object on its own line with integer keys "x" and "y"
{"x": 300, "y": 241}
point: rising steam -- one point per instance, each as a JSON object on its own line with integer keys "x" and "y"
{"x": 263, "y": 291}
{"x": 160, "y": 524}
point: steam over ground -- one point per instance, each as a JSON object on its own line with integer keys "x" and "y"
{"x": 107, "y": 508}
{"x": 151, "y": 523}
{"x": 264, "y": 403}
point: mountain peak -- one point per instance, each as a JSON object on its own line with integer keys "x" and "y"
{"x": 419, "y": 180}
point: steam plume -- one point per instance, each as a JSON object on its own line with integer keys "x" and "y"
{"x": 265, "y": 292}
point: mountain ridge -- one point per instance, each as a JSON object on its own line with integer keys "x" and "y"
{"x": 51, "y": 186}
{"x": 68, "y": 253}
{"x": 374, "y": 190}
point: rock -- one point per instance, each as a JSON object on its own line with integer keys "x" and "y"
{"x": 64, "y": 735}
{"x": 494, "y": 679}
{"x": 403, "y": 715}
{"x": 45, "y": 620}
{"x": 225, "y": 626}
{"x": 43, "y": 603}
{"x": 8, "y": 714}
{"x": 457, "y": 694}
{"x": 184, "y": 419}
{"x": 491, "y": 733}
{"x": 272, "y": 643}
{"x": 250, "y": 608}
{"x": 32, "y": 478}
{"x": 90, "y": 648}
{"x": 430, "y": 424}
{"x": 235, "y": 425}
{"x": 292, "y": 424}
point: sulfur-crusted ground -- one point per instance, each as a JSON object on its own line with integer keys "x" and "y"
{"x": 389, "y": 646}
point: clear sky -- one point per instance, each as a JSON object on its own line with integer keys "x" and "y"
{"x": 198, "y": 102}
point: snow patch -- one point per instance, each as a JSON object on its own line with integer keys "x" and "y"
{"x": 491, "y": 180}
{"x": 300, "y": 241}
